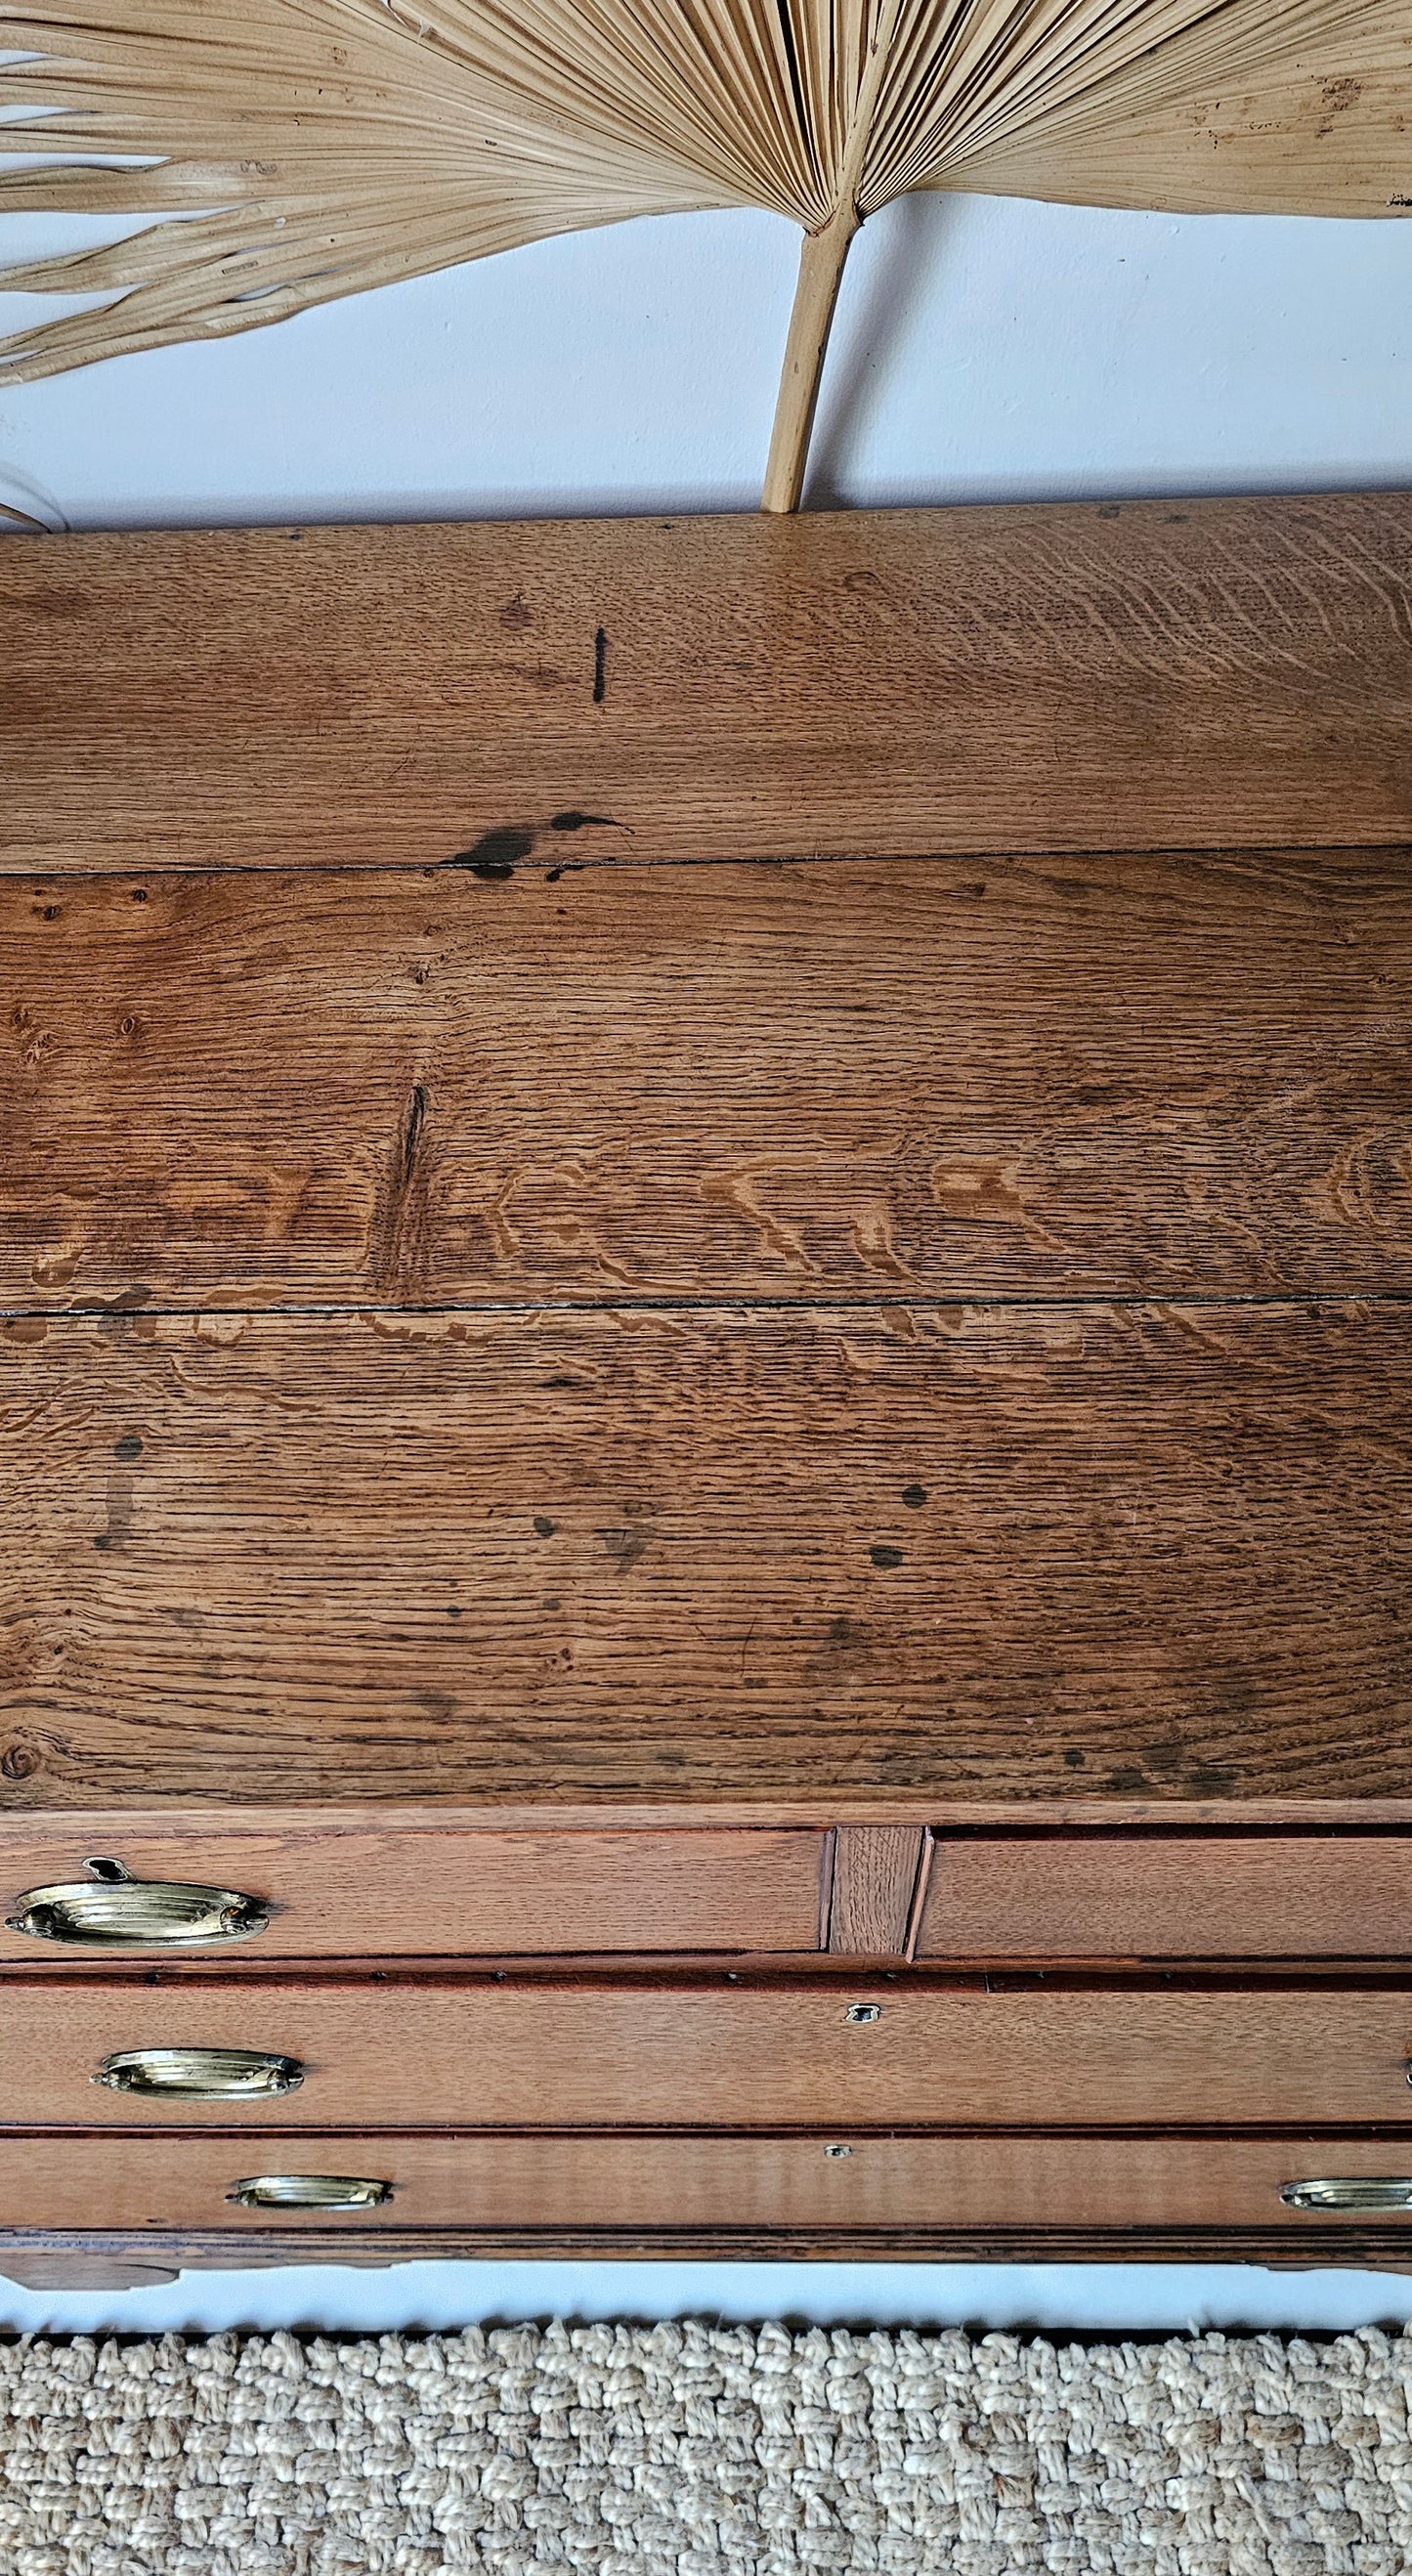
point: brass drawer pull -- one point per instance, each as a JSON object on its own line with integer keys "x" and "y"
{"x": 200, "y": 2074}
{"x": 111, "y": 1911}
{"x": 310, "y": 2191}
{"x": 1351, "y": 2191}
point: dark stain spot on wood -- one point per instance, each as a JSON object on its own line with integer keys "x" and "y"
{"x": 128, "y": 1447}
{"x": 438, "y": 1706}
{"x": 496, "y": 854}
{"x": 139, "y": 894}
{"x": 544, "y": 1527}
{"x": 886, "y": 1557}
{"x": 119, "y": 1515}
{"x": 600, "y": 666}
{"x": 1074, "y": 1758}
{"x": 1109, "y": 510}
{"x": 1127, "y": 1776}
{"x": 1165, "y": 1757}
{"x": 551, "y": 1601}
{"x": 514, "y": 613}
{"x": 126, "y": 1301}
{"x": 1213, "y": 1781}
{"x": 847, "y": 1647}
{"x": 454, "y": 1610}
{"x": 55, "y": 602}
{"x": 626, "y": 1546}
{"x": 563, "y": 1381}
{"x": 914, "y": 1496}
{"x": 571, "y": 820}
{"x": 565, "y": 868}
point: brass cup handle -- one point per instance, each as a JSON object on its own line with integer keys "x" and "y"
{"x": 111, "y": 1911}
{"x": 200, "y": 2074}
{"x": 309, "y": 2191}
{"x": 1350, "y": 2192}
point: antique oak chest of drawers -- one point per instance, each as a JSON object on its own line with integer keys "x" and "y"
{"x": 707, "y": 1258}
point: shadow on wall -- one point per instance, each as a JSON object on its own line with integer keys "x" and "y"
{"x": 27, "y": 506}
{"x": 894, "y": 263}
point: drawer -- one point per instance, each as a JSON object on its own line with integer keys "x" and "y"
{"x": 455, "y": 1891}
{"x": 541, "y": 2183}
{"x": 1168, "y": 1896}
{"x": 686, "y": 2055}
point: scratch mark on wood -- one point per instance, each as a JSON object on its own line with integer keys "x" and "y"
{"x": 401, "y": 1225}
{"x": 416, "y": 1114}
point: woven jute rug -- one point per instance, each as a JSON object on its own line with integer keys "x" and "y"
{"x": 705, "y": 2451}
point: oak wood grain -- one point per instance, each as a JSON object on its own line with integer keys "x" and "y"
{"x": 602, "y": 2053}
{"x": 866, "y": 1079}
{"x": 389, "y": 1890}
{"x": 1153, "y": 674}
{"x": 1164, "y": 1554}
{"x": 1159, "y": 1896}
{"x": 534, "y": 2185}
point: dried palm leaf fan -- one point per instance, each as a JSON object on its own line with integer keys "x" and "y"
{"x": 317, "y": 147}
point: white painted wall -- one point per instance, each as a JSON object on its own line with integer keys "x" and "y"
{"x": 983, "y": 350}
{"x": 1049, "y": 2298}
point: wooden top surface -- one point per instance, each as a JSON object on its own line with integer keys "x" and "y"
{"x": 869, "y": 1079}
{"x": 1156, "y": 675}
{"x": 513, "y": 1309}
{"x": 1010, "y": 1551}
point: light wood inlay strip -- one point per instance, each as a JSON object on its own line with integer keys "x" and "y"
{"x": 874, "y": 1876}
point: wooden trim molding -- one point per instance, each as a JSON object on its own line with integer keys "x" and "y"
{"x": 50, "y": 2259}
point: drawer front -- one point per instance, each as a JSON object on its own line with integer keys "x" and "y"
{"x": 455, "y": 1892}
{"x": 446, "y": 2055}
{"x": 1178, "y": 1896}
{"x": 540, "y": 2183}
